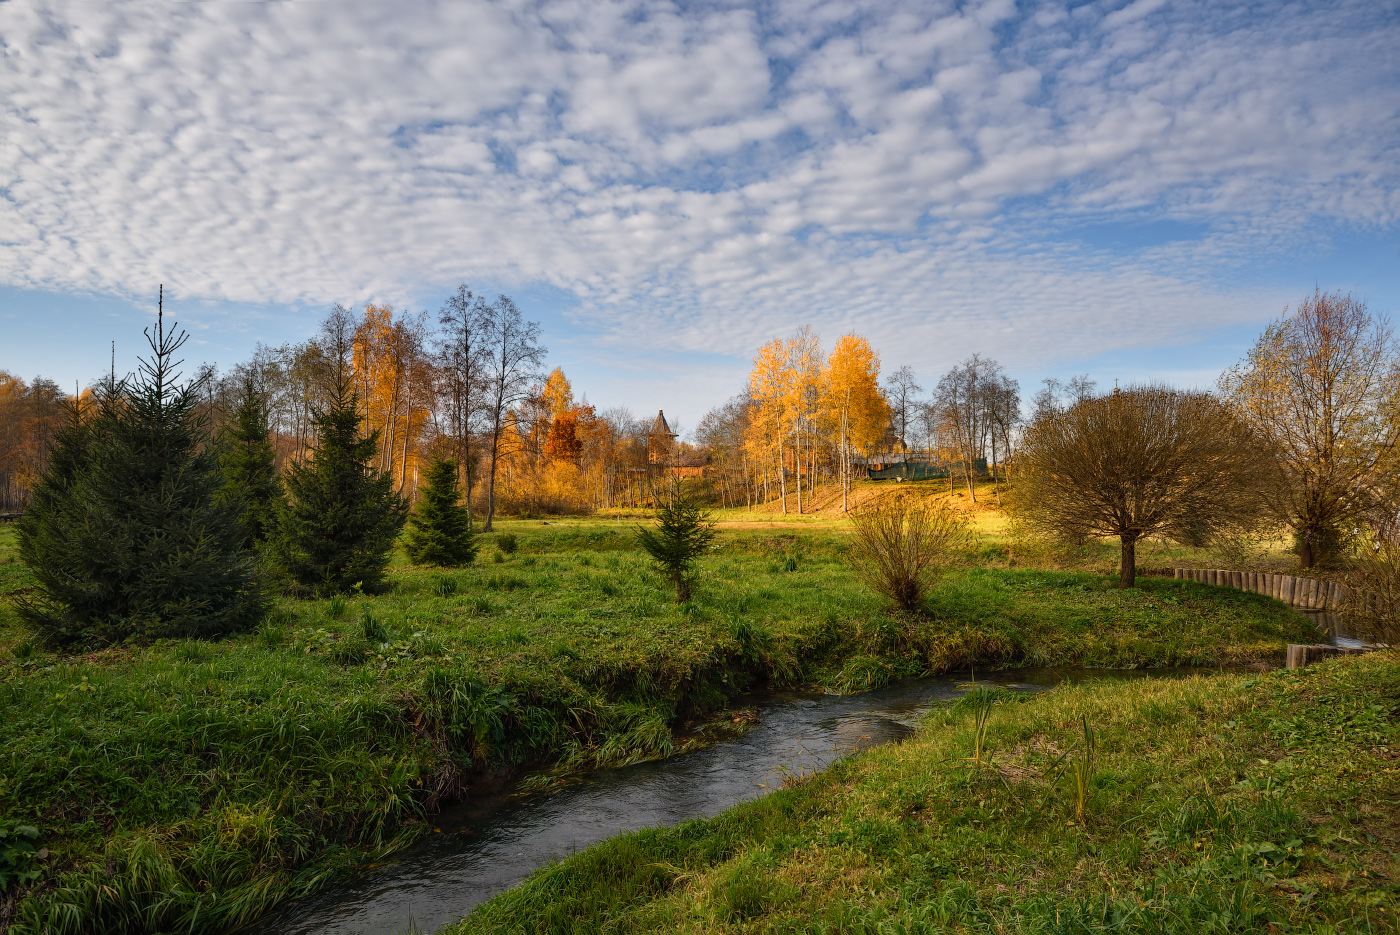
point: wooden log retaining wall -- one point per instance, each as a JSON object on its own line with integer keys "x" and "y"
{"x": 1303, "y": 593}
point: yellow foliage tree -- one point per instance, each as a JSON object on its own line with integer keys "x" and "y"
{"x": 391, "y": 373}
{"x": 770, "y": 385}
{"x": 853, "y": 404}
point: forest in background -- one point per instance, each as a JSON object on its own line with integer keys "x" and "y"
{"x": 471, "y": 385}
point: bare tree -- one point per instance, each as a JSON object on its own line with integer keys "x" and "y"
{"x": 967, "y": 394}
{"x": 1322, "y": 385}
{"x": 462, "y": 364}
{"x": 1003, "y": 405}
{"x": 1142, "y": 462}
{"x": 337, "y": 346}
{"x": 514, "y": 354}
{"x": 904, "y": 392}
{"x": 1055, "y": 396}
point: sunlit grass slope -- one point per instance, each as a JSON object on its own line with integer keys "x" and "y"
{"x": 1262, "y": 803}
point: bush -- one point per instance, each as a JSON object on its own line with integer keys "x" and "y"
{"x": 507, "y": 543}
{"x": 902, "y": 543}
{"x": 1372, "y": 604}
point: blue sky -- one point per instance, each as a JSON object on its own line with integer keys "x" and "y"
{"x": 1126, "y": 189}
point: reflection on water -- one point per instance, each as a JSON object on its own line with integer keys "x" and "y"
{"x": 492, "y": 841}
{"x": 1339, "y": 631}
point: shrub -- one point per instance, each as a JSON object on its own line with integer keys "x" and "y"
{"x": 902, "y": 543}
{"x": 1372, "y": 604}
{"x": 683, "y": 532}
{"x": 507, "y": 543}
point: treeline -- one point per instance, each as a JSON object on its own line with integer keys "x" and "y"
{"x": 30, "y": 414}
{"x": 467, "y": 383}
{"x": 809, "y": 418}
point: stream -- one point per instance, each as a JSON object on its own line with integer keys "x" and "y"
{"x": 492, "y": 841}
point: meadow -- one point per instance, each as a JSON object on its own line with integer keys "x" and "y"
{"x": 192, "y": 785}
{"x": 1230, "y": 803}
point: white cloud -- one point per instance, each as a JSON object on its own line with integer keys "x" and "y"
{"x": 700, "y": 177}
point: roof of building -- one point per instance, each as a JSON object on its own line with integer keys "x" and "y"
{"x": 659, "y": 427}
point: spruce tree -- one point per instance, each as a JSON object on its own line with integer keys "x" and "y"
{"x": 682, "y": 533}
{"x": 126, "y": 537}
{"x": 339, "y": 528}
{"x": 249, "y": 468}
{"x": 440, "y": 530}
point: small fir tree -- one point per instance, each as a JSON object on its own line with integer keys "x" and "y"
{"x": 440, "y": 530}
{"x": 126, "y": 536}
{"x": 339, "y": 528}
{"x": 249, "y": 469}
{"x": 683, "y": 531}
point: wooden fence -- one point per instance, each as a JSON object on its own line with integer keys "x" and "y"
{"x": 1303, "y": 593}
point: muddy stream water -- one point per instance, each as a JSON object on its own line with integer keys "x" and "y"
{"x": 492, "y": 841}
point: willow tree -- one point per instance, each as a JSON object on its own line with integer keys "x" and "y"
{"x": 1141, "y": 462}
{"x": 1321, "y": 385}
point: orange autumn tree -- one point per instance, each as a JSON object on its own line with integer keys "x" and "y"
{"x": 853, "y": 404}
{"x": 394, "y": 380}
{"x": 559, "y": 426}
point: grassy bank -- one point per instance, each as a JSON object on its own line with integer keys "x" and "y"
{"x": 190, "y": 786}
{"x": 1267, "y": 803}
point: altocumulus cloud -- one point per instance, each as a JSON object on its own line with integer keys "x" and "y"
{"x": 701, "y": 176}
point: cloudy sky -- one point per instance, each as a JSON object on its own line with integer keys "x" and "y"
{"x": 1130, "y": 189}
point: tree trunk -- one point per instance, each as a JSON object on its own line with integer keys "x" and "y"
{"x": 1305, "y": 549}
{"x": 1127, "y": 569}
{"x": 491, "y": 479}
{"x": 782, "y": 477}
{"x": 996, "y": 487}
{"x": 797, "y": 466}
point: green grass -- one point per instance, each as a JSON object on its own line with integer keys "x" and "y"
{"x": 1263, "y": 803}
{"x": 190, "y": 786}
